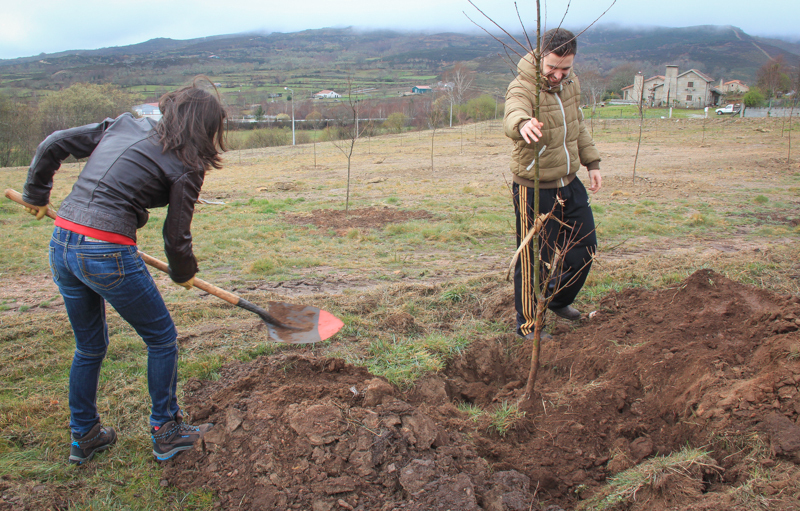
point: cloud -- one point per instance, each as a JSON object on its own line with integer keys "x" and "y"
{"x": 29, "y": 27}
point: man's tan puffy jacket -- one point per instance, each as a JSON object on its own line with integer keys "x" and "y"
{"x": 565, "y": 143}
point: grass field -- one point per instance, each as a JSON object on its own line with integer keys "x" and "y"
{"x": 719, "y": 194}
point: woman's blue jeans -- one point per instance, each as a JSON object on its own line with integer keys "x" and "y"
{"x": 88, "y": 274}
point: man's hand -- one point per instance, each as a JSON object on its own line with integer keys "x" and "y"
{"x": 531, "y": 131}
{"x": 188, "y": 284}
{"x": 39, "y": 212}
{"x": 595, "y": 180}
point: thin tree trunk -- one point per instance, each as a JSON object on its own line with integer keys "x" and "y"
{"x": 641, "y": 125}
{"x": 537, "y": 345}
{"x": 703, "y": 139}
{"x": 540, "y": 309}
{"x": 347, "y": 197}
{"x": 433, "y": 135}
{"x": 789, "y": 154}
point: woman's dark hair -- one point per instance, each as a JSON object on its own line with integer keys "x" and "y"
{"x": 560, "y": 41}
{"x": 193, "y": 125}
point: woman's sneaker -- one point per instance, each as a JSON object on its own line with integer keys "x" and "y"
{"x": 98, "y": 438}
{"x": 175, "y": 436}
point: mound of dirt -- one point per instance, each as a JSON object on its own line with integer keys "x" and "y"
{"x": 651, "y": 372}
{"x": 300, "y": 433}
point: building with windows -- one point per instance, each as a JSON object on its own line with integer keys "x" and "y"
{"x": 690, "y": 89}
{"x": 734, "y": 87}
{"x": 326, "y": 94}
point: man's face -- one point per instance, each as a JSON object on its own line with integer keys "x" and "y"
{"x": 556, "y": 68}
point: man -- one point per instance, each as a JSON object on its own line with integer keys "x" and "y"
{"x": 564, "y": 145}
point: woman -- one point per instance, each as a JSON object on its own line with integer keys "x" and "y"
{"x": 134, "y": 165}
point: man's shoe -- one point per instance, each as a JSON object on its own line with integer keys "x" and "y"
{"x": 568, "y": 312}
{"x": 175, "y": 436}
{"x": 98, "y": 438}
{"x": 545, "y": 336}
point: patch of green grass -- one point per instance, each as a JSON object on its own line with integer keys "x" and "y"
{"x": 203, "y": 367}
{"x": 455, "y": 295}
{"x": 473, "y": 411}
{"x": 272, "y": 264}
{"x": 697, "y": 219}
{"x": 449, "y": 346}
{"x": 670, "y": 279}
{"x": 760, "y": 199}
{"x": 270, "y": 207}
{"x": 403, "y": 362}
{"x": 264, "y": 349}
{"x": 505, "y": 417}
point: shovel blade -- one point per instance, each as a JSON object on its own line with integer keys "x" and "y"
{"x": 301, "y": 324}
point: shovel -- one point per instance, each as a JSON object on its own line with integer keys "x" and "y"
{"x": 289, "y": 323}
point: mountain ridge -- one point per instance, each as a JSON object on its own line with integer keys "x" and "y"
{"x": 719, "y": 51}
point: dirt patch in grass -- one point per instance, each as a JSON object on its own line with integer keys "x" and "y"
{"x": 652, "y": 371}
{"x": 789, "y": 218}
{"x": 364, "y": 218}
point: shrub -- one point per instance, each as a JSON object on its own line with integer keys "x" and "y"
{"x": 753, "y": 98}
{"x": 269, "y": 137}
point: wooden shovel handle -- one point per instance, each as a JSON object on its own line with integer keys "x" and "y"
{"x": 198, "y": 283}
{"x": 152, "y": 261}
{"x": 17, "y": 197}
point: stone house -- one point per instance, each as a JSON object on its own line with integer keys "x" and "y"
{"x": 734, "y": 87}
{"x": 690, "y": 89}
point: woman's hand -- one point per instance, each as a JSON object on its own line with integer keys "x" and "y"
{"x": 39, "y": 212}
{"x": 187, "y": 285}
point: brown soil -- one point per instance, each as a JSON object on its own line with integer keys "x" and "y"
{"x": 702, "y": 364}
{"x": 364, "y": 218}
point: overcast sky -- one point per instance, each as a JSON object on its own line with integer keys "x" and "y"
{"x": 30, "y": 27}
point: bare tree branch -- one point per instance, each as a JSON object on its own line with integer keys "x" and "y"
{"x": 524, "y": 31}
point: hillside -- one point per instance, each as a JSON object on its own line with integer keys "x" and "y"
{"x": 386, "y": 60}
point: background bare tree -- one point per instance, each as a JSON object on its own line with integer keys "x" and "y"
{"x": 82, "y": 103}
{"x": 593, "y": 87}
{"x": 315, "y": 119}
{"x": 434, "y": 116}
{"x": 772, "y": 78}
{"x": 347, "y": 131}
{"x": 795, "y": 100}
{"x": 640, "y": 104}
{"x": 461, "y": 78}
{"x": 18, "y": 134}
